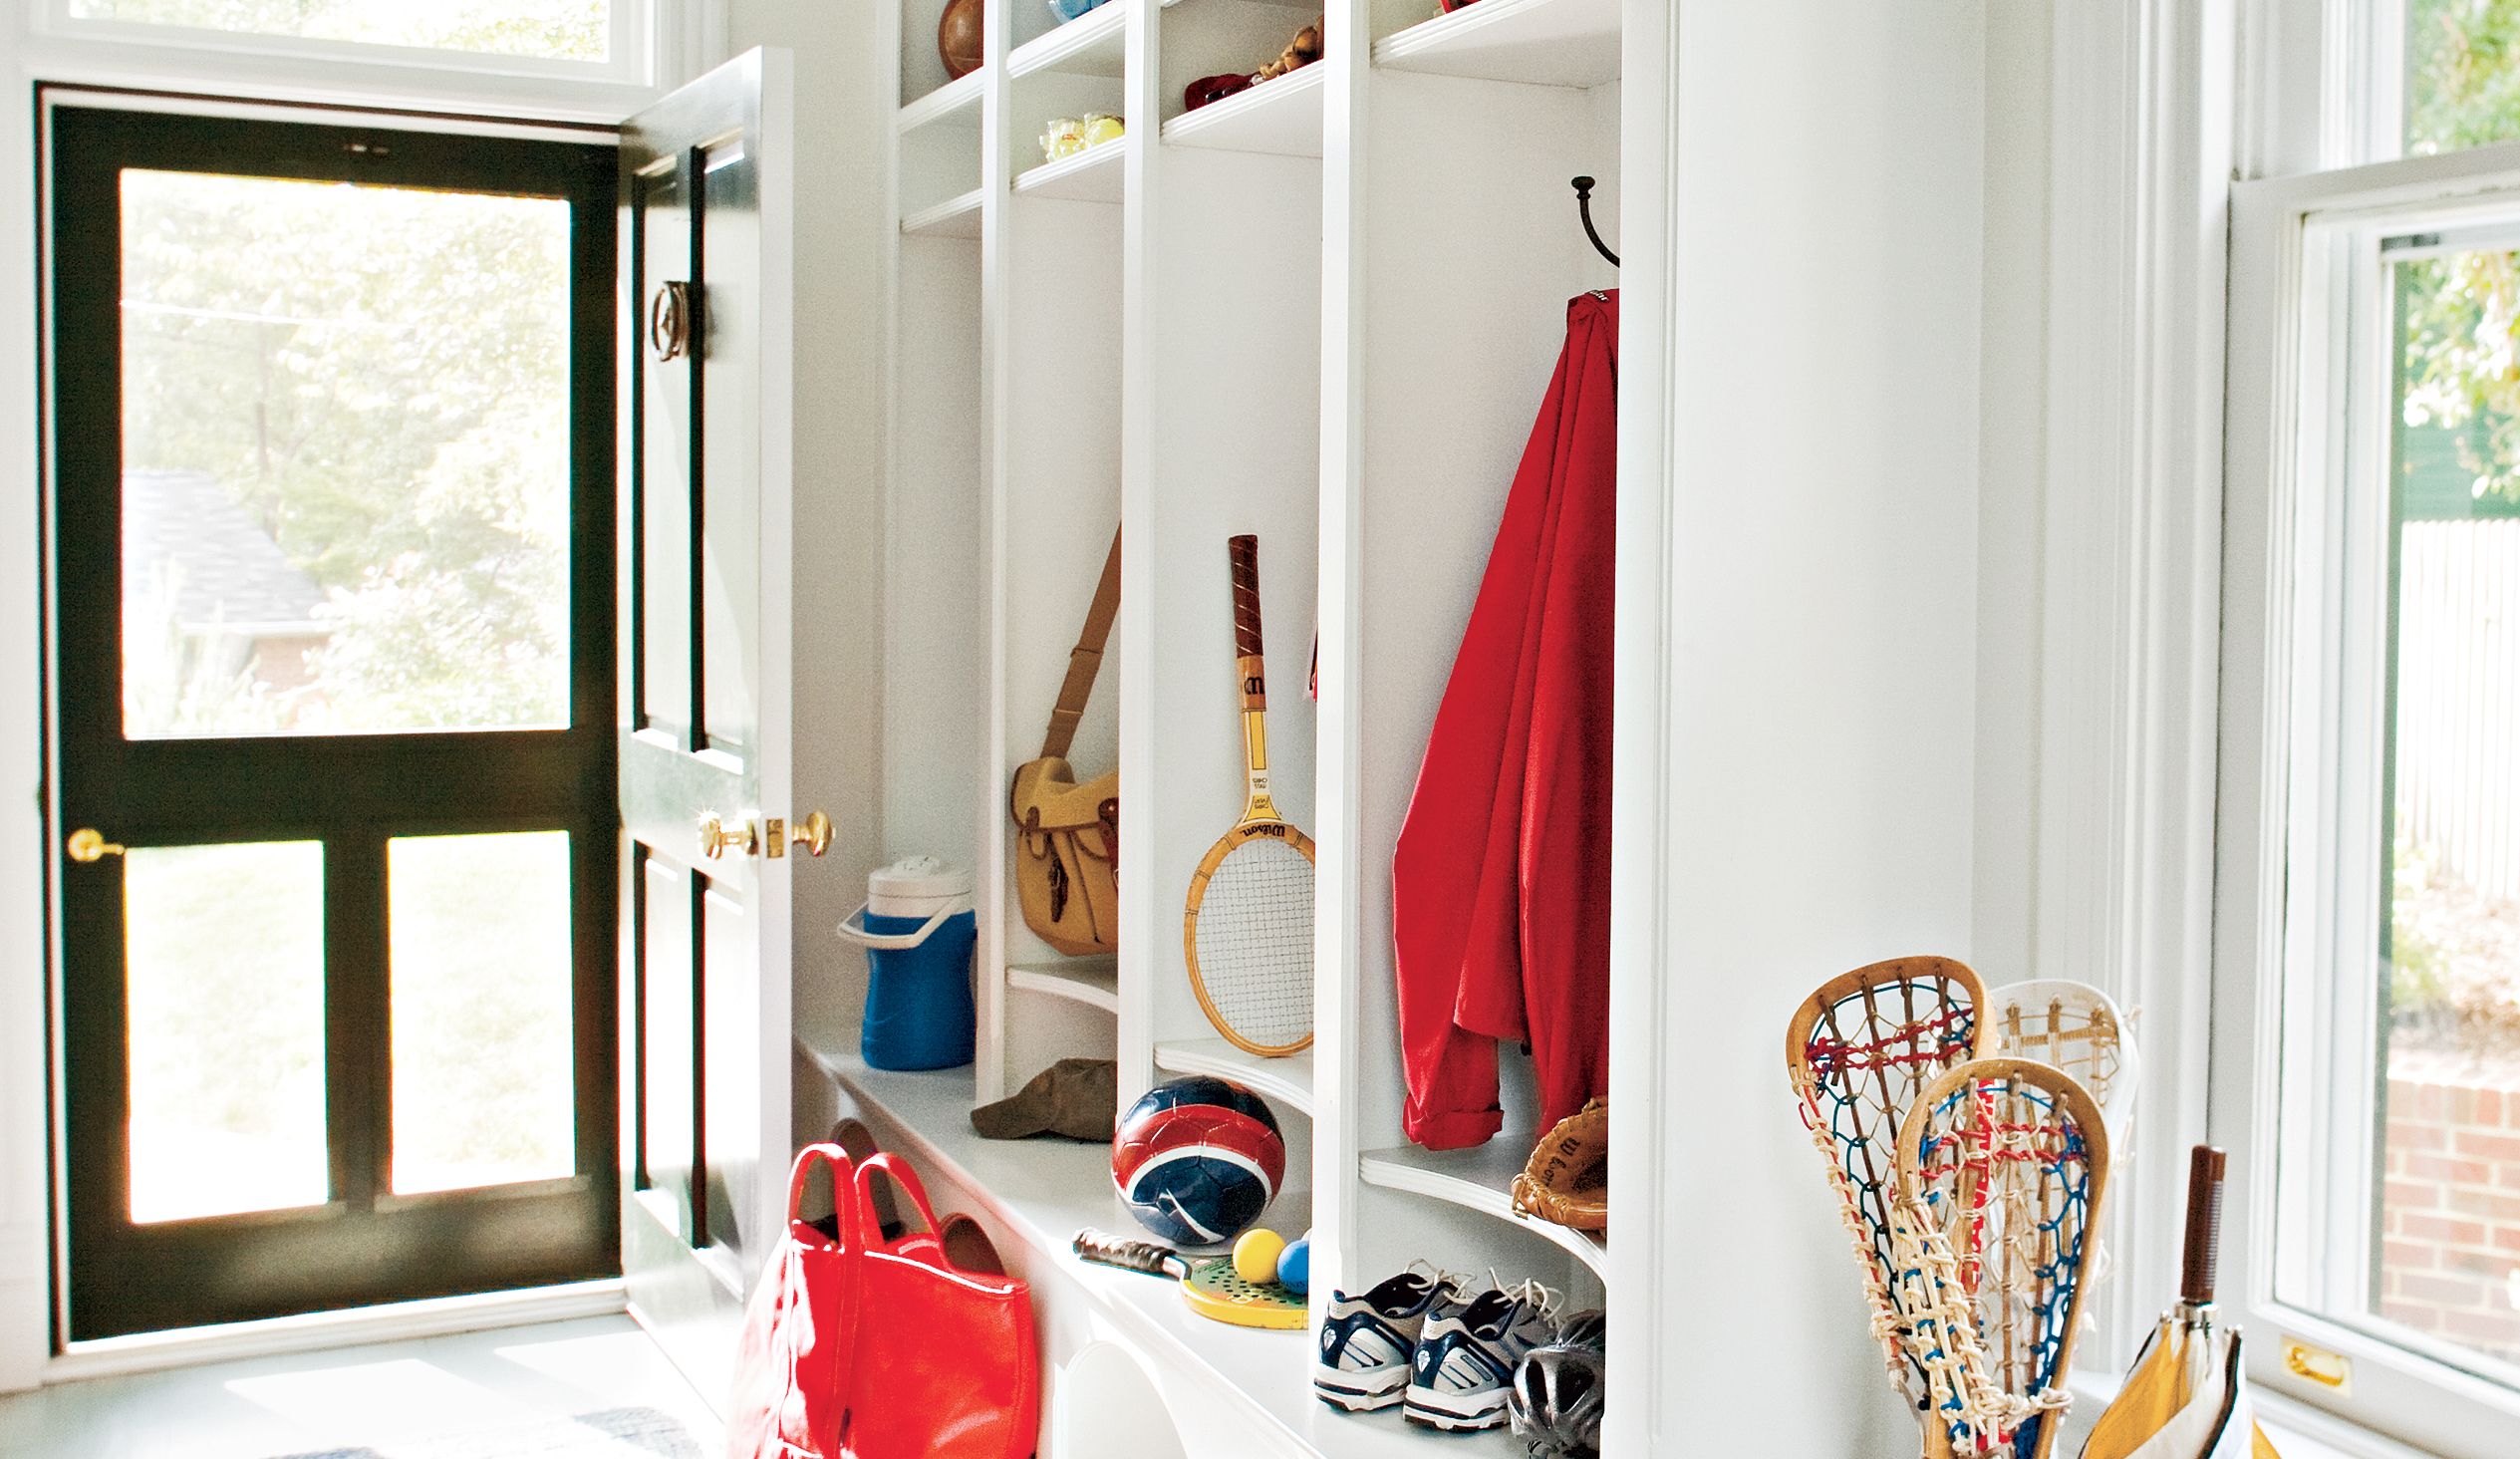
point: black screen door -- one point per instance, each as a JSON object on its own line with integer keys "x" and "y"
{"x": 331, "y": 498}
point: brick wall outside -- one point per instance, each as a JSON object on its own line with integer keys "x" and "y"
{"x": 2450, "y": 1244}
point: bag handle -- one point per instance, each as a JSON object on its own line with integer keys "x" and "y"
{"x": 1085, "y": 660}
{"x": 844, "y": 1183}
{"x": 904, "y": 1179}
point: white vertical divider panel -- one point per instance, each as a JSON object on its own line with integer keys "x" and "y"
{"x": 1142, "y": 919}
{"x": 992, "y": 892}
{"x": 1815, "y": 752}
{"x": 1338, "y": 881}
{"x": 1642, "y": 1001}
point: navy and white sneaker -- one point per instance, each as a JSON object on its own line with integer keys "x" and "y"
{"x": 1366, "y": 1342}
{"x": 1462, "y": 1371}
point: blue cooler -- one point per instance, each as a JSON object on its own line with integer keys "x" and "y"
{"x": 918, "y": 932}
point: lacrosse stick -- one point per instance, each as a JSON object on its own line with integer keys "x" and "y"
{"x": 2075, "y": 1027}
{"x": 2000, "y": 1166}
{"x": 1859, "y": 1049}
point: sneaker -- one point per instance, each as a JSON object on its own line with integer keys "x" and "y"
{"x": 1463, "y": 1370}
{"x": 1366, "y": 1340}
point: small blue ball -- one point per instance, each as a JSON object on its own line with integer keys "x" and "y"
{"x": 1294, "y": 1266}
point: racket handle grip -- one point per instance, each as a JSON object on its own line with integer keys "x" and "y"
{"x": 1242, "y": 557}
{"x": 1129, "y": 1255}
{"x": 2202, "y": 1253}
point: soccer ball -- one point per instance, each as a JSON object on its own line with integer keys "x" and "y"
{"x": 1197, "y": 1159}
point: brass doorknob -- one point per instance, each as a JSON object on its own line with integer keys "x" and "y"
{"x": 89, "y": 844}
{"x": 716, "y": 838}
{"x": 813, "y": 833}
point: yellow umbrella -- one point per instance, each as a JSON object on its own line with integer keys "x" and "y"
{"x": 2187, "y": 1398}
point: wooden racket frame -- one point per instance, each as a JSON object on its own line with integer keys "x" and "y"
{"x": 1259, "y": 820}
{"x": 1157, "y": 1260}
{"x": 2070, "y": 1099}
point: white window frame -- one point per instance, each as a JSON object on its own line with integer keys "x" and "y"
{"x": 2299, "y": 744}
{"x": 656, "y": 44}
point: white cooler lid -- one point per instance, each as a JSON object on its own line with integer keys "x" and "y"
{"x": 918, "y": 877}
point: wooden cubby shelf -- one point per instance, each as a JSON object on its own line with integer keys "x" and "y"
{"x": 955, "y": 217}
{"x": 1543, "y": 42}
{"x": 1090, "y": 44}
{"x": 1092, "y": 175}
{"x": 1288, "y": 1080}
{"x": 1281, "y": 116}
{"x": 1481, "y": 1179}
{"x": 1094, "y": 982}
{"x": 955, "y": 104}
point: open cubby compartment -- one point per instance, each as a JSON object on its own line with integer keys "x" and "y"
{"x": 1471, "y": 255}
{"x": 922, "y": 73}
{"x": 1056, "y": 504}
{"x": 1030, "y": 22}
{"x": 1034, "y": 98}
{"x": 1568, "y": 43}
{"x": 940, "y": 178}
{"x": 1233, "y": 416}
{"x": 1217, "y": 36}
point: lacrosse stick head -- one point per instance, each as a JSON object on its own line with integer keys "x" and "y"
{"x": 2071, "y": 1027}
{"x": 1860, "y": 1050}
{"x": 2002, "y": 1163}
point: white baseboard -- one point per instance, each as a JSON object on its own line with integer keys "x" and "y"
{"x": 392, "y": 1323}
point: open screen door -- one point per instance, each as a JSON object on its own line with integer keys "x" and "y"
{"x": 706, "y": 188}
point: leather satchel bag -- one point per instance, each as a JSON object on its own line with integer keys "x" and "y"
{"x": 1068, "y": 836}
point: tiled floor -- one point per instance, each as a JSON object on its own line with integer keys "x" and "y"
{"x": 463, "y": 1394}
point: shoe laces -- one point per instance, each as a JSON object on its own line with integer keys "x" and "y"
{"x": 1443, "y": 1280}
{"x": 1534, "y": 1296}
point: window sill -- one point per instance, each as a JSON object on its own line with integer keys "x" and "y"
{"x": 2300, "y": 1431}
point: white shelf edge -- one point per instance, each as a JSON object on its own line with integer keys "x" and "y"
{"x": 1288, "y": 1080}
{"x": 1093, "y": 981}
{"x": 1079, "y": 176}
{"x": 1044, "y": 52}
{"x": 944, "y": 104}
{"x": 1426, "y": 45}
{"x": 955, "y": 217}
{"x": 1451, "y": 1177}
{"x": 1191, "y": 128}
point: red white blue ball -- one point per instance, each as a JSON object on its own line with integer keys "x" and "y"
{"x": 1197, "y": 1159}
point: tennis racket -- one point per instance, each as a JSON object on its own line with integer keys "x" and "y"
{"x": 1247, "y": 933}
{"x": 1208, "y": 1283}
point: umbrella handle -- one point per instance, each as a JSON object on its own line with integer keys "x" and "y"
{"x": 2202, "y": 1253}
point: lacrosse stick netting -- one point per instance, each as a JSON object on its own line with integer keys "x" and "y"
{"x": 1860, "y": 1050}
{"x": 2001, "y": 1167}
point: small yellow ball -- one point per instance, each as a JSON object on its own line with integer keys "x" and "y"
{"x": 1255, "y": 1255}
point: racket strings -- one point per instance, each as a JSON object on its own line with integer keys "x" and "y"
{"x": 1254, "y": 942}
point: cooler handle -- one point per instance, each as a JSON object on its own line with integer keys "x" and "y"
{"x": 853, "y": 928}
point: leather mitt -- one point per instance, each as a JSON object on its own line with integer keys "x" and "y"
{"x": 1569, "y": 1178}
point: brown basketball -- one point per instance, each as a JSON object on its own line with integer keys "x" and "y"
{"x": 958, "y": 36}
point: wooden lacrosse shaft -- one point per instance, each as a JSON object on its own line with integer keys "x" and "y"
{"x": 2201, "y": 1253}
{"x": 1243, "y": 562}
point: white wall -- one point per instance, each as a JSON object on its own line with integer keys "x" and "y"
{"x": 842, "y": 117}
{"x": 1821, "y": 644}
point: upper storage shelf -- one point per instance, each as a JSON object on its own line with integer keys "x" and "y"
{"x": 955, "y": 104}
{"x": 1282, "y": 116}
{"x": 1480, "y": 1178}
{"x": 1090, "y": 44}
{"x": 1544, "y": 42}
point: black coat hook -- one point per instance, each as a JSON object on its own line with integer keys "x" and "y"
{"x": 1584, "y": 205}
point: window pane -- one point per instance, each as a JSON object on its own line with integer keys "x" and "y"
{"x": 566, "y": 30}
{"x": 224, "y": 967}
{"x": 346, "y": 484}
{"x": 2462, "y": 82}
{"x": 483, "y": 1054}
{"x": 2447, "y": 1233}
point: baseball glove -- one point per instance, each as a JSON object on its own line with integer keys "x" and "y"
{"x": 1569, "y": 1178}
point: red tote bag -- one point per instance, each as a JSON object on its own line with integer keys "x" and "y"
{"x": 791, "y": 1371}
{"x": 943, "y": 1361}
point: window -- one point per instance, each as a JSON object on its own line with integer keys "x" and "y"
{"x": 449, "y": 47}
{"x": 554, "y": 30}
{"x": 2367, "y": 1000}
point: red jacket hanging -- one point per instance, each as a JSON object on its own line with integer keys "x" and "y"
{"x": 1500, "y": 884}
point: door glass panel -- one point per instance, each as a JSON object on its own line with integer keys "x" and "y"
{"x": 345, "y": 464}
{"x": 562, "y": 30}
{"x": 223, "y": 966}
{"x": 482, "y": 975}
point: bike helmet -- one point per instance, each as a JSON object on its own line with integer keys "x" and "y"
{"x": 1555, "y": 1400}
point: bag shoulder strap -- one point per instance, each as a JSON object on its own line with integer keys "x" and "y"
{"x": 1086, "y": 661}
